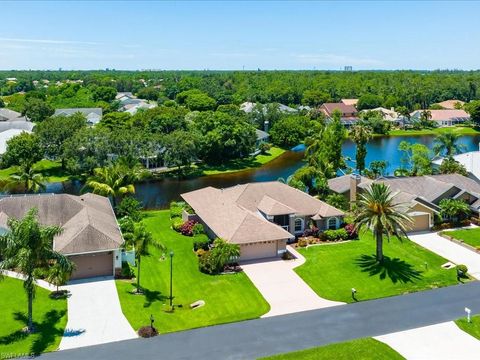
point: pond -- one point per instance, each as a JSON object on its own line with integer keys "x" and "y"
{"x": 159, "y": 193}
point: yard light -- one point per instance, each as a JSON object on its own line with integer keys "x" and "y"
{"x": 468, "y": 311}
{"x": 354, "y": 291}
{"x": 171, "y": 278}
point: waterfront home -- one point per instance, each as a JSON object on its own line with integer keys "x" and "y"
{"x": 470, "y": 160}
{"x": 259, "y": 217}
{"x": 443, "y": 117}
{"x": 349, "y": 114}
{"x": 93, "y": 115}
{"x": 451, "y": 104}
{"x": 389, "y": 115}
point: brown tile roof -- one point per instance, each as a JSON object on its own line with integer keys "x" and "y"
{"x": 352, "y": 102}
{"x": 88, "y": 221}
{"x": 439, "y": 115}
{"x": 234, "y": 213}
{"x": 328, "y": 108}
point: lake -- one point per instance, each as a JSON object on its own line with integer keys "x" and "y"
{"x": 159, "y": 193}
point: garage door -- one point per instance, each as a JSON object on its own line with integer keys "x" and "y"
{"x": 258, "y": 250}
{"x": 421, "y": 222}
{"x": 90, "y": 265}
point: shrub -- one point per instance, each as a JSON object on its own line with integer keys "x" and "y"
{"x": 462, "y": 270}
{"x": 198, "y": 229}
{"x": 176, "y": 212}
{"x": 335, "y": 235}
{"x": 187, "y": 228}
{"x": 206, "y": 263}
{"x": 130, "y": 207}
{"x": 177, "y": 224}
{"x": 351, "y": 231}
{"x": 264, "y": 147}
{"x": 200, "y": 252}
{"x": 127, "y": 271}
{"x": 313, "y": 231}
{"x": 147, "y": 331}
{"x": 287, "y": 256}
{"x": 302, "y": 242}
{"x": 201, "y": 244}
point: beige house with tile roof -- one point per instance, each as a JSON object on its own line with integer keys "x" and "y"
{"x": 91, "y": 237}
{"x": 260, "y": 217}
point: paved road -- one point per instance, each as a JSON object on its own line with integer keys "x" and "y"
{"x": 262, "y": 337}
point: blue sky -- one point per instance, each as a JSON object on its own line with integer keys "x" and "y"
{"x": 236, "y": 35}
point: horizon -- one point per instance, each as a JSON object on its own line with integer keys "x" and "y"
{"x": 237, "y": 36}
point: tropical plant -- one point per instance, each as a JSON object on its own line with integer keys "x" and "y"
{"x": 57, "y": 276}
{"x": 378, "y": 212}
{"x": 447, "y": 143}
{"x": 360, "y": 135}
{"x": 27, "y": 178}
{"x": 28, "y": 247}
{"x": 454, "y": 209}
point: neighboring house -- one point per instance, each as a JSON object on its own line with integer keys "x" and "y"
{"x": 259, "y": 217}
{"x": 349, "y": 114}
{"x": 471, "y": 161}
{"x": 388, "y": 114}
{"x": 93, "y": 115}
{"x": 10, "y": 115}
{"x": 451, "y": 104}
{"x": 443, "y": 117}
{"x": 248, "y": 107}
{"x": 91, "y": 237}
{"x": 7, "y": 135}
{"x": 262, "y": 137}
{"x": 132, "y": 109}
{"x": 131, "y": 104}
{"x": 352, "y": 102}
{"x": 420, "y": 195}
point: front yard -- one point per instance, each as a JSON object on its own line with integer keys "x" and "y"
{"x": 228, "y": 298}
{"x": 49, "y": 316}
{"x": 472, "y": 328}
{"x": 333, "y": 270}
{"x": 468, "y": 236}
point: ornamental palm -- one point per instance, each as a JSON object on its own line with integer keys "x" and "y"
{"x": 28, "y": 246}
{"x": 27, "y": 178}
{"x": 360, "y": 135}
{"x": 378, "y": 212}
{"x": 448, "y": 143}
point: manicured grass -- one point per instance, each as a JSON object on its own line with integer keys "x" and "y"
{"x": 360, "y": 349}
{"x": 472, "y": 328}
{"x": 462, "y": 130}
{"x": 49, "y": 316}
{"x": 333, "y": 270}
{"x": 51, "y": 170}
{"x": 227, "y": 298}
{"x": 468, "y": 236}
{"x": 242, "y": 164}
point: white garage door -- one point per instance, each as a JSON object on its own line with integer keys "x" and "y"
{"x": 421, "y": 222}
{"x": 258, "y": 250}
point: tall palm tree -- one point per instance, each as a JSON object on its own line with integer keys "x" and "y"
{"x": 28, "y": 246}
{"x": 425, "y": 115}
{"x": 27, "y": 178}
{"x": 378, "y": 212}
{"x": 360, "y": 135}
{"x": 448, "y": 143}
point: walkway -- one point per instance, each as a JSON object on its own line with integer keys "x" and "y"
{"x": 450, "y": 251}
{"x": 283, "y": 289}
{"x": 94, "y": 314}
{"x": 285, "y": 333}
{"x": 443, "y": 341}
{"x": 39, "y": 283}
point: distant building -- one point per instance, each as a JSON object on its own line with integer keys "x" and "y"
{"x": 349, "y": 114}
{"x": 352, "y": 102}
{"x": 348, "y": 68}
{"x": 248, "y": 107}
{"x": 451, "y": 104}
{"x": 443, "y": 117}
{"x": 388, "y": 114}
{"x": 10, "y": 115}
{"x": 93, "y": 115}
{"x": 471, "y": 161}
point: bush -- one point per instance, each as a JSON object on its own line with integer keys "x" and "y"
{"x": 147, "y": 331}
{"x": 130, "y": 207}
{"x": 302, "y": 242}
{"x": 336, "y": 235}
{"x": 177, "y": 224}
{"x": 351, "y": 231}
{"x": 187, "y": 228}
{"x": 198, "y": 229}
{"x": 264, "y": 147}
{"x": 200, "y": 252}
{"x": 176, "y": 209}
{"x": 201, "y": 244}
{"x": 206, "y": 263}
{"x": 287, "y": 256}
{"x": 313, "y": 231}
{"x": 462, "y": 270}
{"x": 127, "y": 271}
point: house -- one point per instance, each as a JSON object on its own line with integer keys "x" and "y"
{"x": 420, "y": 195}
{"x": 259, "y": 217}
{"x": 6, "y": 135}
{"x": 352, "y": 102}
{"x": 10, "y": 115}
{"x": 93, "y": 115}
{"x": 262, "y": 137}
{"x": 451, "y": 104}
{"x": 471, "y": 161}
{"x": 249, "y": 106}
{"x": 388, "y": 114}
{"x": 349, "y": 114}
{"x": 443, "y": 117}
{"x": 91, "y": 237}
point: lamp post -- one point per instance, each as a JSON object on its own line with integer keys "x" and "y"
{"x": 468, "y": 311}
{"x": 171, "y": 278}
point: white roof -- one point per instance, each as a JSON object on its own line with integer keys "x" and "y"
{"x": 7, "y": 135}
{"x": 471, "y": 161}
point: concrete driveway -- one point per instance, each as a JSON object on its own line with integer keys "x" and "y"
{"x": 94, "y": 314}
{"x": 440, "y": 341}
{"x": 283, "y": 289}
{"x": 449, "y": 250}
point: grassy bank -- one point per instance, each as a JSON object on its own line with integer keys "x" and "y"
{"x": 461, "y": 130}
{"x": 51, "y": 170}
{"x": 333, "y": 270}
{"x": 228, "y": 298}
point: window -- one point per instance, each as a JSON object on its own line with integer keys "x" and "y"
{"x": 332, "y": 223}
{"x": 298, "y": 225}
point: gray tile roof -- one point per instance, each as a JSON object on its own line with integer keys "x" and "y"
{"x": 85, "y": 111}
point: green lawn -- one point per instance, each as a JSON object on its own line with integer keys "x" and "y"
{"x": 227, "y": 298}
{"x": 360, "y": 349}
{"x": 333, "y": 270}
{"x": 472, "y": 328}
{"x": 468, "y": 236}
{"x": 51, "y": 170}
{"x": 49, "y": 316}
{"x": 462, "y": 130}
{"x": 242, "y": 164}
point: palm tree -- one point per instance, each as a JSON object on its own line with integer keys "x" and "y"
{"x": 361, "y": 134}
{"x": 142, "y": 240}
{"x": 448, "y": 143}
{"x": 57, "y": 276}
{"x": 378, "y": 212}
{"x": 425, "y": 115}
{"x": 224, "y": 253}
{"x": 28, "y": 246}
{"x": 27, "y": 178}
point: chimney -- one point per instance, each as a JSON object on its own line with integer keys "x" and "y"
{"x": 354, "y": 181}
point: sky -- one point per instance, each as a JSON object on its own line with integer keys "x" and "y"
{"x": 235, "y": 35}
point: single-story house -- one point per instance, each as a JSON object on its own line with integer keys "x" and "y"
{"x": 259, "y": 217}
{"x": 451, "y": 104}
{"x": 349, "y": 114}
{"x": 388, "y": 114}
{"x": 6, "y": 135}
{"x": 443, "y": 117}
{"x": 249, "y": 106}
{"x": 262, "y": 137}
{"x": 10, "y": 115}
{"x": 93, "y": 115}
{"x": 421, "y": 195}
{"x": 471, "y": 161}
{"x": 91, "y": 237}
{"x": 352, "y": 102}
